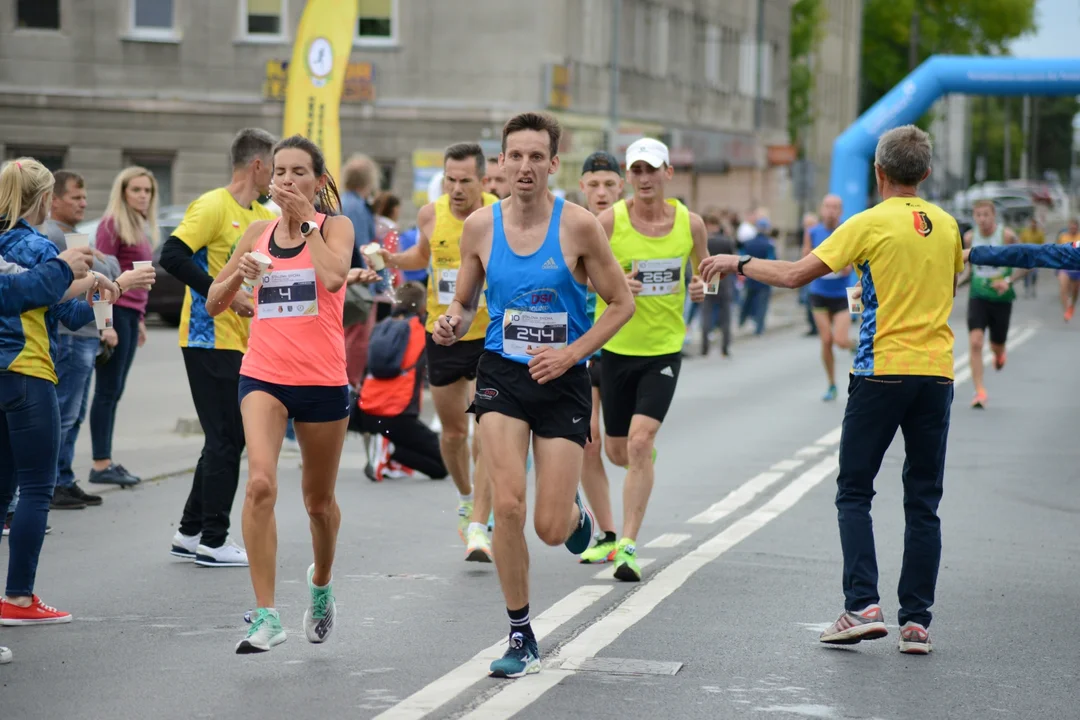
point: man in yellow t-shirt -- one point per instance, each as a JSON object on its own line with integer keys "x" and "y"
{"x": 452, "y": 369}
{"x": 907, "y": 253}
{"x": 213, "y": 347}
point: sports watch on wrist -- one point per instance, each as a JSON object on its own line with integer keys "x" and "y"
{"x": 743, "y": 259}
{"x": 307, "y": 227}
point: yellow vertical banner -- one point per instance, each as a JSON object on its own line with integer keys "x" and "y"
{"x": 316, "y": 77}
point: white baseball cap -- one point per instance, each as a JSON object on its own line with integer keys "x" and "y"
{"x": 648, "y": 150}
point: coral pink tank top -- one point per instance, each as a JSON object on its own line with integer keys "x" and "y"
{"x": 297, "y": 336}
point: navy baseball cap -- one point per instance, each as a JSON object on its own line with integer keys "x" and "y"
{"x": 600, "y": 161}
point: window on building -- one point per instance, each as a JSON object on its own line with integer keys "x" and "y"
{"x": 38, "y": 14}
{"x": 51, "y": 157}
{"x": 386, "y": 174}
{"x": 159, "y": 163}
{"x": 747, "y": 65}
{"x": 376, "y": 23}
{"x": 264, "y": 18}
{"x": 768, "y": 57}
{"x": 154, "y": 17}
{"x": 713, "y": 49}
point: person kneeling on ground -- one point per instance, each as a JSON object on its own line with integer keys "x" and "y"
{"x": 389, "y": 403}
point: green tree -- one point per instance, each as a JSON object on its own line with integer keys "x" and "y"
{"x": 897, "y": 31}
{"x": 806, "y": 22}
{"x": 1051, "y": 131}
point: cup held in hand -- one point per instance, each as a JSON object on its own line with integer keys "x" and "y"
{"x": 374, "y": 257}
{"x": 263, "y": 261}
{"x": 713, "y": 286}
{"x": 855, "y": 306}
{"x": 103, "y": 315}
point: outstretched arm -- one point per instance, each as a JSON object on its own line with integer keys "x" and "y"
{"x": 1058, "y": 257}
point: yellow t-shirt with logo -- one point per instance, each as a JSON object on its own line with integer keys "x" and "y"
{"x": 906, "y": 252}
{"x": 657, "y": 326}
{"x": 212, "y": 227}
{"x": 445, "y": 262}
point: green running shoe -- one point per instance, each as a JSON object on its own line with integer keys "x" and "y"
{"x": 598, "y": 554}
{"x": 265, "y": 632}
{"x": 522, "y": 658}
{"x": 464, "y": 513}
{"x": 319, "y": 617}
{"x": 626, "y": 567}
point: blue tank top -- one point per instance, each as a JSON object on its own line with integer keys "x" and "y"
{"x": 533, "y": 300}
{"x": 831, "y": 285}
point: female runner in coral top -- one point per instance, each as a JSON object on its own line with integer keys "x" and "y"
{"x": 294, "y": 368}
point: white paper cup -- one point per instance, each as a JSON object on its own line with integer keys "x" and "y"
{"x": 374, "y": 257}
{"x": 135, "y": 265}
{"x": 77, "y": 240}
{"x": 713, "y": 287}
{"x": 855, "y": 305}
{"x": 103, "y": 315}
{"x": 264, "y": 262}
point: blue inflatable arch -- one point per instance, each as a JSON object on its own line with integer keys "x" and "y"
{"x": 853, "y": 151}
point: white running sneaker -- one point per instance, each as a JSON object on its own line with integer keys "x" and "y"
{"x": 265, "y": 632}
{"x": 320, "y": 615}
{"x": 5, "y": 655}
{"x": 479, "y": 547}
{"x": 184, "y": 546}
{"x": 228, "y": 555}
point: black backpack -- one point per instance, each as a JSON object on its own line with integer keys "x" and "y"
{"x": 387, "y": 346}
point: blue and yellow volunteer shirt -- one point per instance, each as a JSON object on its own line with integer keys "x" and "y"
{"x": 212, "y": 227}
{"x": 907, "y": 253}
{"x": 28, "y": 341}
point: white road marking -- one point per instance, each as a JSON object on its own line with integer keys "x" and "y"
{"x": 667, "y": 540}
{"x": 988, "y": 357}
{"x": 608, "y": 573}
{"x": 810, "y": 451}
{"x": 519, "y": 694}
{"x": 830, "y": 438}
{"x": 449, "y": 686}
{"x": 787, "y": 465}
{"x": 736, "y": 498}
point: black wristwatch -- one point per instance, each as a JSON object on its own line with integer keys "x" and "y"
{"x": 743, "y": 259}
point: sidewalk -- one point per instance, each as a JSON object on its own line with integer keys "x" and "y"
{"x": 157, "y": 432}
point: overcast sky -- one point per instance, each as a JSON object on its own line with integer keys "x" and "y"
{"x": 1059, "y": 30}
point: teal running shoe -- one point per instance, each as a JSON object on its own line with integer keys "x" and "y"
{"x": 265, "y": 632}
{"x": 521, "y": 658}
{"x": 579, "y": 540}
{"x": 319, "y": 617}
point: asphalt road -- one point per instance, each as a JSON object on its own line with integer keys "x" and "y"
{"x": 745, "y": 574}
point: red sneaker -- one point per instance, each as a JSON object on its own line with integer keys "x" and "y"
{"x": 915, "y": 639}
{"x": 851, "y": 628}
{"x": 999, "y": 360}
{"x": 37, "y": 614}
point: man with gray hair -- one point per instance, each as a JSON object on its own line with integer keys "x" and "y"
{"x": 213, "y": 347}
{"x": 907, "y": 253}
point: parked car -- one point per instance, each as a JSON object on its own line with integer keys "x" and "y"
{"x": 167, "y": 297}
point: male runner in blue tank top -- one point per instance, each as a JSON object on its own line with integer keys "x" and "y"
{"x": 828, "y": 294}
{"x": 538, "y": 255}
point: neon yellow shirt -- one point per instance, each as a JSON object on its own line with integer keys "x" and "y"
{"x": 657, "y": 326}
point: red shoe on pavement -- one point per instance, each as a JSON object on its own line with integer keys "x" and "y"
{"x": 999, "y": 360}
{"x": 852, "y": 627}
{"x": 38, "y": 613}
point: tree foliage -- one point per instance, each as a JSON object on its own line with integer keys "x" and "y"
{"x": 806, "y": 22}
{"x": 1051, "y": 125}
{"x": 953, "y": 27}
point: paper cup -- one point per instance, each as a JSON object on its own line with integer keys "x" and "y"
{"x": 141, "y": 264}
{"x": 77, "y": 240}
{"x": 264, "y": 262}
{"x": 103, "y": 315}
{"x": 855, "y": 305}
{"x": 713, "y": 287}
{"x": 374, "y": 258}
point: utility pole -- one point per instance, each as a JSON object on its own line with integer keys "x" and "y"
{"x": 1006, "y": 165}
{"x": 1025, "y": 157}
{"x": 913, "y": 38}
{"x": 613, "y": 104}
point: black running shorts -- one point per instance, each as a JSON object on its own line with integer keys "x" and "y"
{"x": 632, "y": 385}
{"x": 449, "y": 363}
{"x": 983, "y": 314}
{"x": 594, "y": 371}
{"x": 560, "y": 408}
{"x": 831, "y": 305}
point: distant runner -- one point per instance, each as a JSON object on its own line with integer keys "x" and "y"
{"x": 828, "y": 295}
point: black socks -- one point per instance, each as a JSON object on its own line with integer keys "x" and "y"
{"x": 519, "y": 622}
{"x": 609, "y": 537}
